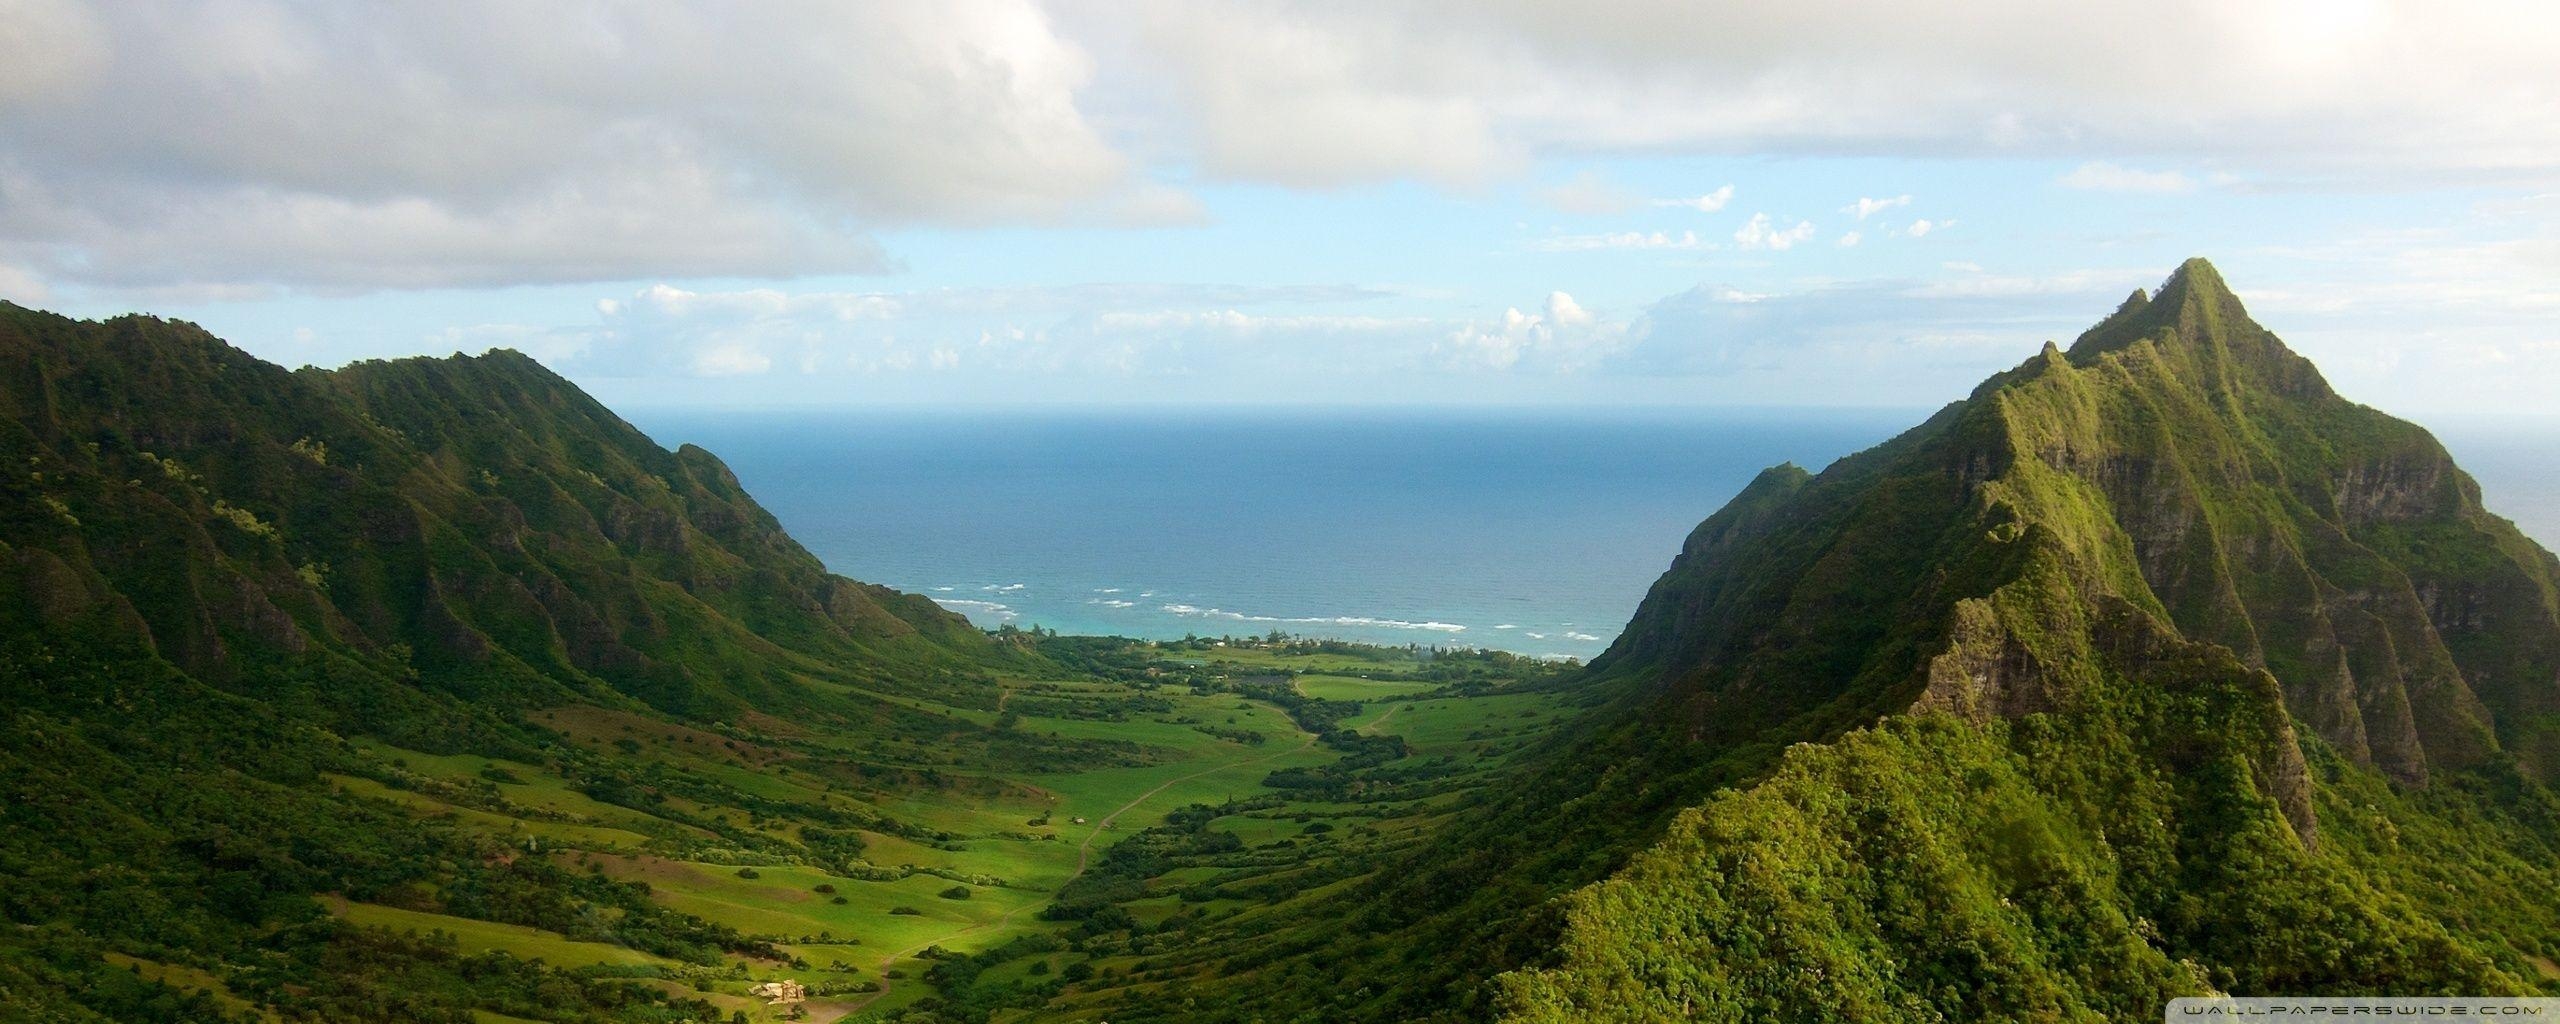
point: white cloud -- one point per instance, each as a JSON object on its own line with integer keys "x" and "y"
{"x": 227, "y": 145}
{"x": 1866, "y": 207}
{"x": 665, "y": 218}
{"x": 1708, "y": 203}
{"x": 1562, "y": 338}
{"x": 2100, "y": 176}
{"x": 1922, "y": 227}
{"x": 1850, "y": 240}
{"x": 1314, "y": 92}
{"x": 1564, "y": 312}
{"x": 485, "y": 142}
{"x": 1760, "y": 233}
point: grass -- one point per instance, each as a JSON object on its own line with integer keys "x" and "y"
{"x": 1342, "y": 687}
{"x": 583, "y": 836}
{"x": 782, "y": 901}
{"x": 472, "y": 936}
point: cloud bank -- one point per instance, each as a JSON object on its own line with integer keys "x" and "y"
{"x": 243, "y": 144}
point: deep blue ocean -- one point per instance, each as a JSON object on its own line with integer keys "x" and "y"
{"x": 1534, "y": 532}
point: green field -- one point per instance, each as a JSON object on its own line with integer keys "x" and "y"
{"x": 1192, "y": 731}
{"x": 483, "y": 936}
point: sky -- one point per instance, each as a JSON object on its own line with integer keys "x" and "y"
{"x": 1009, "y": 202}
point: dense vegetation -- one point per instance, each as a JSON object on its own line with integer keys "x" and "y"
{"x": 430, "y": 691}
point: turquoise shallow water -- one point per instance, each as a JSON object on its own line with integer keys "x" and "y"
{"x": 1529, "y": 532}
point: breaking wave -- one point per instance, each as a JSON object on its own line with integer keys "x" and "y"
{"x": 1314, "y": 620}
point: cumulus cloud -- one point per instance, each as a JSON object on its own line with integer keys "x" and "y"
{"x": 2101, "y": 176}
{"x": 1708, "y": 203}
{"x": 1562, "y": 338}
{"x": 483, "y": 142}
{"x": 1865, "y": 207}
{"x": 1922, "y": 227}
{"x": 1760, "y": 233}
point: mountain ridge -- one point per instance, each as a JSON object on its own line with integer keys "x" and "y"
{"x": 478, "y": 511}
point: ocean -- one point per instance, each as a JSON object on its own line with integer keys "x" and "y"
{"x": 1534, "y": 532}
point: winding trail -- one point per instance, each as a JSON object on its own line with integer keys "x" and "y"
{"x": 1084, "y": 857}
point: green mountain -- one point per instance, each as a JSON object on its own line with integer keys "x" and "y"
{"x": 474, "y": 522}
{"x": 2153, "y": 667}
{"x": 235, "y": 599}
{"x": 2201, "y": 677}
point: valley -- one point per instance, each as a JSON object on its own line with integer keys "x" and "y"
{"x": 963, "y": 866}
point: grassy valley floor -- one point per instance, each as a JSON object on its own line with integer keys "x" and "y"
{"x": 1247, "y": 774}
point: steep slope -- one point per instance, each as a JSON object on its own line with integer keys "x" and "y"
{"x": 234, "y": 600}
{"x": 2152, "y": 665}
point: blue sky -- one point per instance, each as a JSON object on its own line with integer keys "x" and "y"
{"x": 1003, "y": 202}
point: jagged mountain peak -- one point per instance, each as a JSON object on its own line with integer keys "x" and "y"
{"x": 2201, "y": 329}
